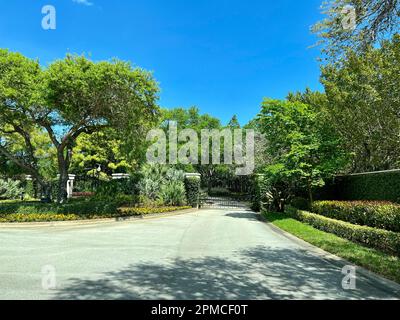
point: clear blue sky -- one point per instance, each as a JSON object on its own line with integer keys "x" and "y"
{"x": 223, "y": 56}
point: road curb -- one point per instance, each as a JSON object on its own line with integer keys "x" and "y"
{"x": 77, "y": 223}
{"x": 367, "y": 274}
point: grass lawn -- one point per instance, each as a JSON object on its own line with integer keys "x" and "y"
{"x": 371, "y": 259}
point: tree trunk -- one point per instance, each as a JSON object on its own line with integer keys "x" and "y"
{"x": 62, "y": 195}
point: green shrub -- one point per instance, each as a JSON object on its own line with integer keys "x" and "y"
{"x": 29, "y": 189}
{"x": 372, "y": 237}
{"x": 38, "y": 217}
{"x": 300, "y": 203}
{"x": 384, "y": 186}
{"x": 149, "y": 210}
{"x": 173, "y": 193}
{"x": 45, "y": 215}
{"x": 260, "y": 190}
{"x": 81, "y": 208}
{"x": 382, "y": 215}
{"x": 109, "y": 190}
{"x": 192, "y": 186}
{"x": 161, "y": 185}
{"x": 10, "y": 189}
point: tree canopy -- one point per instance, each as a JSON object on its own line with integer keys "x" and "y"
{"x": 71, "y": 97}
{"x": 364, "y": 104}
{"x": 374, "y": 20}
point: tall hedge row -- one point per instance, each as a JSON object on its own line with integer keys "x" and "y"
{"x": 192, "y": 186}
{"x": 384, "y": 186}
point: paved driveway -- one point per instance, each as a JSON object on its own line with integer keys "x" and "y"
{"x": 212, "y": 254}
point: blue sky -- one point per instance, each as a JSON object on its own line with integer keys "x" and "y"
{"x": 223, "y": 56}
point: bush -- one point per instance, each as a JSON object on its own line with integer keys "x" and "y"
{"x": 147, "y": 210}
{"x": 381, "y": 186}
{"x": 161, "y": 185}
{"x": 109, "y": 190}
{"x": 300, "y": 203}
{"x": 173, "y": 194}
{"x": 43, "y": 213}
{"x": 81, "y": 208}
{"x": 372, "y": 237}
{"x": 383, "y": 215}
{"x": 10, "y": 189}
{"x": 192, "y": 186}
{"x": 260, "y": 191}
{"x": 29, "y": 189}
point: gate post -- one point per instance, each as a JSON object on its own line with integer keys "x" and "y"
{"x": 192, "y": 186}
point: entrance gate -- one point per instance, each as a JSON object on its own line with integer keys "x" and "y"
{"x": 222, "y": 203}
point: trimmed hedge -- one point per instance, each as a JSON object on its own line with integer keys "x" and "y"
{"x": 382, "y": 215}
{"x": 383, "y": 186}
{"x": 43, "y": 213}
{"x": 192, "y": 187}
{"x": 74, "y": 207}
{"x": 146, "y": 211}
{"x": 384, "y": 240}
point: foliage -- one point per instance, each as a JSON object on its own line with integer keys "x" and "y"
{"x": 211, "y": 174}
{"x": 173, "y": 193}
{"x": 192, "y": 186}
{"x": 100, "y": 148}
{"x": 374, "y": 20}
{"x": 304, "y": 149}
{"x": 161, "y": 184}
{"x": 364, "y": 104}
{"x": 10, "y": 189}
{"x": 383, "y": 186}
{"x": 47, "y": 213}
{"x": 149, "y": 210}
{"x": 369, "y": 258}
{"x": 300, "y": 203}
{"x": 29, "y": 189}
{"x": 82, "y": 207}
{"x": 109, "y": 190}
{"x": 382, "y": 215}
{"x": 387, "y": 241}
{"x": 69, "y": 98}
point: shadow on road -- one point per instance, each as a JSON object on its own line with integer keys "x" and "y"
{"x": 244, "y": 215}
{"x": 259, "y": 273}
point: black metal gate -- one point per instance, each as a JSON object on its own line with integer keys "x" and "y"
{"x": 222, "y": 203}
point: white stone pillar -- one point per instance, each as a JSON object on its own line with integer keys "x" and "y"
{"x": 70, "y": 185}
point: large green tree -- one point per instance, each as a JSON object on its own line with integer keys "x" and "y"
{"x": 304, "y": 150}
{"x": 71, "y": 97}
{"x": 364, "y": 104}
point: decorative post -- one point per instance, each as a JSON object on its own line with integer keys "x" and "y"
{"x": 70, "y": 185}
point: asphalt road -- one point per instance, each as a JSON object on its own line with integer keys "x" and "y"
{"x": 210, "y": 254}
